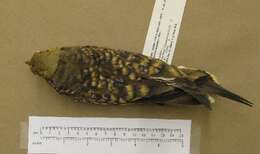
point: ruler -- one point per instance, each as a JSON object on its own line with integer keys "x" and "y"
{"x": 51, "y": 135}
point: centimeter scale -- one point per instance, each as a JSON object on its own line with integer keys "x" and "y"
{"x": 108, "y": 136}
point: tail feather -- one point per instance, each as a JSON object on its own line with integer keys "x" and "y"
{"x": 210, "y": 86}
{"x": 202, "y": 88}
{"x": 203, "y": 99}
{"x": 188, "y": 87}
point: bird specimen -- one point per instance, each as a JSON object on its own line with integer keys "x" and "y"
{"x": 106, "y": 76}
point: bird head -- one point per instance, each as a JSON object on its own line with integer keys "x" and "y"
{"x": 44, "y": 63}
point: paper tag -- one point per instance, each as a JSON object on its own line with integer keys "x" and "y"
{"x": 108, "y": 136}
{"x": 164, "y": 28}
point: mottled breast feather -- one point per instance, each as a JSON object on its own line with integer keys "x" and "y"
{"x": 101, "y": 75}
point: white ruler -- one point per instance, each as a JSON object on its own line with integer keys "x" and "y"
{"x": 54, "y": 135}
{"x": 164, "y": 29}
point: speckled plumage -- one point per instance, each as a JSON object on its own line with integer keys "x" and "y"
{"x": 105, "y": 76}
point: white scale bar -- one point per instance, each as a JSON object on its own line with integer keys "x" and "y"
{"x": 108, "y": 136}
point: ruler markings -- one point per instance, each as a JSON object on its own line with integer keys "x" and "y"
{"x": 108, "y": 135}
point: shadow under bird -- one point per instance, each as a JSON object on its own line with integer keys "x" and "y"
{"x": 106, "y": 76}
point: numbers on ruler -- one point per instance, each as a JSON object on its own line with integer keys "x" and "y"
{"x": 162, "y": 135}
{"x": 110, "y": 135}
{"x": 35, "y": 133}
